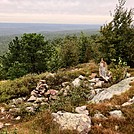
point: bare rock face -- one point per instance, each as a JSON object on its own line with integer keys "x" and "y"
{"x": 116, "y": 89}
{"x": 71, "y": 121}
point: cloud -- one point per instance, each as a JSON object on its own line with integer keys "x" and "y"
{"x": 58, "y": 8}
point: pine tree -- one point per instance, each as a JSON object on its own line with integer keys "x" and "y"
{"x": 117, "y": 37}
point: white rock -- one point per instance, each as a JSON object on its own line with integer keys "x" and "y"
{"x": 116, "y": 114}
{"x": 77, "y": 82}
{"x": 7, "y": 124}
{"x": 18, "y": 118}
{"x": 81, "y": 77}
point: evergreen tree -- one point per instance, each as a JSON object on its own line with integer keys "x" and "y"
{"x": 29, "y": 54}
{"x": 117, "y": 36}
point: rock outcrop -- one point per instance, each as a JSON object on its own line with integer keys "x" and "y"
{"x": 73, "y": 121}
{"x": 116, "y": 89}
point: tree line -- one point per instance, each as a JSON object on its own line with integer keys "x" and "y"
{"x": 32, "y": 53}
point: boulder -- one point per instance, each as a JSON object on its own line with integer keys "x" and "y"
{"x": 71, "y": 121}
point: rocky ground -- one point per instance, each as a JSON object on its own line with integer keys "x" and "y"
{"x": 81, "y": 119}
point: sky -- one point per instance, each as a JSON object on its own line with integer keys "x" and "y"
{"x": 59, "y": 11}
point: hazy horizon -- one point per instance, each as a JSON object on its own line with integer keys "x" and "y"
{"x": 20, "y": 28}
{"x": 59, "y": 12}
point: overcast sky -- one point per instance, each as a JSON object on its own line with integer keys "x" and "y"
{"x": 59, "y": 11}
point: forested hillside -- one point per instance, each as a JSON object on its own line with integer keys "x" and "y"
{"x": 36, "y": 53}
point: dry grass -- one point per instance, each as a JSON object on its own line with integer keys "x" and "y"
{"x": 42, "y": 123}
{"x": 113, "y": 125}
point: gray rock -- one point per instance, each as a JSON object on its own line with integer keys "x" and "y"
{"x": 116, "y": 89}
{"x": 71, "y": 121}
{"x": 81, "y": 110}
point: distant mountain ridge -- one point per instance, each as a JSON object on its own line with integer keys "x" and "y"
{"x": 20, "y": 28}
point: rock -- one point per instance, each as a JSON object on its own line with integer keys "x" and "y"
{"x": 64, "y": 84}
{"x": 1, "y": 125}
{"x": 99, "y": 116}
{"x": 128, "y": 75}
{"x": 82, "y": 110}
{"x": 71, "y": 121}
{"x": 34, "y": 93}
{"x": 18, "y": 118}
{"x": 7, "y": 124}
{"x": 81, "y": 77}
{"x": 92, "y": 94}
{"x": 35, "y": 105}
{"x": 98, "y": 90}
{"x": 30, "y": 109}
{"x": 116, "y": 114}
{"x": 32, "y": 99}
{"x": 116, "y": 127}
{"x": 99, "y": 84}
{"x": 116, "y": 89}
{"x": 14, "y": 110}
{"x": 2, "y": 110}
{"x": 40, "y": 100}
{"x": 77, "y": 82}
{"x": 130, "y": 102}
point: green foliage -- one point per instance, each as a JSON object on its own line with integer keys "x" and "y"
{"x": 117, "y": 36}
{"x": 75, "y": 97}
{"x": 118, "y": 70}
{"x": 69, "y": 51}
{"x": 29, "y": 54}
